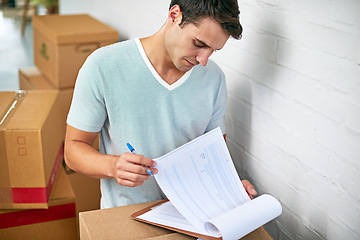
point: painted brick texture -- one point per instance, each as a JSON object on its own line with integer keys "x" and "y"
{"x": 293, "y": 112}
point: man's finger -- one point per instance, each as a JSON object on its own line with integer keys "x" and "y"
{"x": 250, "y": 189}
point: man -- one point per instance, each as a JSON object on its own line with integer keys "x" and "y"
{"x": 156, "y": 93}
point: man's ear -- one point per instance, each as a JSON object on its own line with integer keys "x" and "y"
{"x": 175, "y": 15}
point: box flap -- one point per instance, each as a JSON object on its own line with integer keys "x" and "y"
{"x": 68, "y": 29}
{"x": 32, "y": 79}
{"x": 63, "y": 191}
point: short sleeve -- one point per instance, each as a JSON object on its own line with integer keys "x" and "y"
{"x": 88, "y": 110}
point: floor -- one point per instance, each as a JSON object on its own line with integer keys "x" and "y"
{"x": 16, "y": 50}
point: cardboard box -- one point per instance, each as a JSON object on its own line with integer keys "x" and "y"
{"x": 31, "y": 147}
{"x": 116, "y": 223}
{"x": 31, "y": 78}
{"x": 62, "y": 43}
{"x": 87, "y": 191}
{"x": 56, "y": 222}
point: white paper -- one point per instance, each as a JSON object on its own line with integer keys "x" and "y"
{"x": 200, "y": 179}
{"x": 244, "y": 219}
{"x": 166, "y": 214}
{"x": 234, "y": 224}
{"x": 201, "y": 182}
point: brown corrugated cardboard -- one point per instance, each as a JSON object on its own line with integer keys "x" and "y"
{"x": 31, "y": 78}
{"x": 87, "y": 191}
{"x": 31, "y": 147}
{"x": 116, "y": 223}
{"x": 62, "y": 43}
{"x": 56, "y": 222}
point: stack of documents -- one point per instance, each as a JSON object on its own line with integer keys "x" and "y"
{"x": 206, "y": 196}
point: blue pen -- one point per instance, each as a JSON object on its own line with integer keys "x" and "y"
{"x": 133, "y": 151}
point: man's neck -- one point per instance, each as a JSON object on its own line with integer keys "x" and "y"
{"x": 159, "y": 58}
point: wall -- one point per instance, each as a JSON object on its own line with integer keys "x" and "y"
{"x": 293, "y": 108}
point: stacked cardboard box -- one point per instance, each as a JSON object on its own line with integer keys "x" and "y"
{"x": 56, "y": 222}
{"x": 87, "y": 190}
{"x": 32, "y": 132}
{"x": 62, "y": 43}
{"x": 31, "y": 78}
{"x": 30, "y": 147}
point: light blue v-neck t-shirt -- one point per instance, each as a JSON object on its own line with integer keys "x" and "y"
{"x": 119, "y": 94}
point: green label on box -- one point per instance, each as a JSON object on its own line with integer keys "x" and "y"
{"x": 43, "y": 51}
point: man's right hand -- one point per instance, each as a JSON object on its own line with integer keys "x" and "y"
{"x": 128, "y": 170}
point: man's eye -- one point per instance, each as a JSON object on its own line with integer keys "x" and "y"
{"x": 198, "y": 45}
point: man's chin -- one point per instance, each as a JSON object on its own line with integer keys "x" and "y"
{"x": 185, "y": 68}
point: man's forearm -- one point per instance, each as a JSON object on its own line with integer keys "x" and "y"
{"x": 81, "y": 157}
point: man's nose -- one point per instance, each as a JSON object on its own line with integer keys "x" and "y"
{"x": 203, "y": 56}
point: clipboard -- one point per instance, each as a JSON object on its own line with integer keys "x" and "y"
{"x": 193, "y": 234}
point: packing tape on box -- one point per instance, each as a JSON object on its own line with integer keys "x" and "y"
{"x": 33, "y": 195}
{"x": 40, "y": 194}
{"x": 19, "y": 96}
{"x": 24, "y": 217}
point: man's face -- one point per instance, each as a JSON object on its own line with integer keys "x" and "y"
{"x": 191, "y": 44}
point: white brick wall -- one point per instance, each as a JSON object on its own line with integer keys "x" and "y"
{"x": 294, "y": 104}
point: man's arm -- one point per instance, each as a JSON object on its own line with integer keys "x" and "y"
{"x": 82, "y": 157}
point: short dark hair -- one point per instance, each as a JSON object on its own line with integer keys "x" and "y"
{"x": 225, "y": 12}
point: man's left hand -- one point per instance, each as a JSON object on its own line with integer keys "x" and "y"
{"x": 250, "y": 189}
